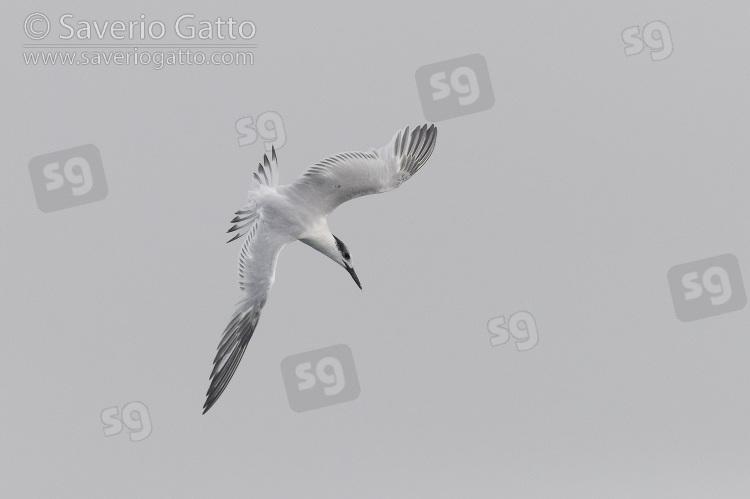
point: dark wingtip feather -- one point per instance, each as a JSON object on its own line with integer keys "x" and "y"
{"x": 238, "y": 227}
{"x": 236, "y": 236}
{"x": 262, "y": 170}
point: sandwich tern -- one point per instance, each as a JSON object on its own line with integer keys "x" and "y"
{"x": 276, "y": 215}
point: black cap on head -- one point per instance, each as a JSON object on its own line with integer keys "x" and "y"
{"x": 342, "y": 248}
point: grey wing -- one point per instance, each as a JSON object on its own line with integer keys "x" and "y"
{"x": 257, "y": 267}
{"x": 349, "y": 175}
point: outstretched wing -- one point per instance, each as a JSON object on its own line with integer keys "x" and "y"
{"x": 257, "y": 268}
{"x": 349, "y": 175}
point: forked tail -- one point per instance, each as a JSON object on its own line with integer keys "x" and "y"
{"x": 267, "y": 176}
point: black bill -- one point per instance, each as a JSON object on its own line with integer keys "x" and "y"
{"x": 354, "y": 275}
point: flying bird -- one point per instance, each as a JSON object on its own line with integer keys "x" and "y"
{"x": 276, "y": 215}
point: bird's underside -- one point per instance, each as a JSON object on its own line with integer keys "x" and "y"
{"x": 276, "y": 215}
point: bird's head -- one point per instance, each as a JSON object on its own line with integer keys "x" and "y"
{"x": 332, "y": 247}
{"x": 344, "y": 258}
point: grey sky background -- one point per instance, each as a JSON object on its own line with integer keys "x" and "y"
{"x": 592, "y": 175}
